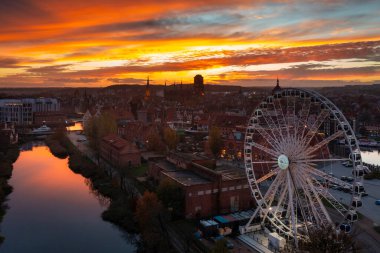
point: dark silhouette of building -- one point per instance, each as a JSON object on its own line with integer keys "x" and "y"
{"x": 277, "y": 88}
{"x": 147, "y": 89}
{"x": 199, "y": 88}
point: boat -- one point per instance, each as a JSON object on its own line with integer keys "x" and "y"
{"x": 368, "y": 143}
{"x": 43, "y": 130}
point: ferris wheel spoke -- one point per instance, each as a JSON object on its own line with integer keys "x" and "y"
{"x": 327, "y": 177}
{"x": 270, "y": 198}
{"x": 268, "y": 175}
{"x": 324, "y": 193}
{"x": 314, "y": 128}
{"x": 304, "y": 115}
{"x": 291, "y": 112}
{"x": 292, "y": 208}
{"x": 268, "y": 138}
{"x": 265, "y": 149}
{"x": 323, "y": 160}
{"x": 325, "y": 218}
{"x": 275, "y": 128}
{"x": 280, "y": 117}
{"x": 265, "y": 162}
{"x": 303, "y": 198}
{"x": 309, "y": 204}
{"x": 324, "y": 142}
{"x": 282, "y": 199}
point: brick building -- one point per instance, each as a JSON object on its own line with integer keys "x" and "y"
{"x": 119, "y": 152}
{"x": 207, "y": 191}
{"x": 49, "y": 118}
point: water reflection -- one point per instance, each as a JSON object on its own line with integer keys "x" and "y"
{"x": 78, "y": 126}
{"x": 371, "y": 157}
{"x": 54, "y": 210}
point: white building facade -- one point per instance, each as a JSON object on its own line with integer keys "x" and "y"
{"x": 20, "y": 111}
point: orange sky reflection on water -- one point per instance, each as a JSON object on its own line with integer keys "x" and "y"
{"x": 46, "y": 175}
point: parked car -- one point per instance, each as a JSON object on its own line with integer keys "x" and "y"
{"x": 343, "y": 178}
{"x": 229, "y": 244}
{"x": 350, "y": 179}
{"x": 347, "y": 189}
{"x": 377, "y": 202}
{"x": 364, "y": 194}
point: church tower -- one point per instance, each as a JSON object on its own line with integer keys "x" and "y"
{"x": 147, "y": 89}
{"x": 277, "y": 88}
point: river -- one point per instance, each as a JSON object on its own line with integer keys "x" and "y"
{"x": 371, "y": 156}
{"x": 52, "y": 209}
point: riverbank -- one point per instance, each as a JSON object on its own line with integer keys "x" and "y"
{"x": 121, "y": 208}
{"x": 7, "y": 158}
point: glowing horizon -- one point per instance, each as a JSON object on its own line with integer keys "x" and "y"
{"x": 101, "y": 42}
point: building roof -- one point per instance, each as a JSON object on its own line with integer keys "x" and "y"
{"x": 230, "y": 173}
{"x": 124, "y": 146}
{"x": 186, "y": 177}
{"x": 224, "y": 120}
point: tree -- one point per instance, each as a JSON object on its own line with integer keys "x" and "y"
{"x": 171, "y": 138}
{"x": 215, "y": 141}
{"x": 154, "y": 142}
{"x": 220, "y": 247}
{"x": 172, "y": 196}
{"x": 98, "y": 127}
{"x": 148, "y": 214}
{"x": 326, "y": 240}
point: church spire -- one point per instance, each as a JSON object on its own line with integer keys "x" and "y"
{"x": 277, "y": 88}
{"x": 147, "y": 89}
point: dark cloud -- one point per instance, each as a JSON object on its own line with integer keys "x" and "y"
{"x": 126, "y": 80}
{"x": 48, "y": 70}
{"x": 74, "y": 80}
{"x": 21, "y": 12}
{"x": 10, "y": 63}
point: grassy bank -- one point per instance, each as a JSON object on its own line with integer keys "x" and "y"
{"x": 7, "y": 158}
{"x": 54, "y": 144}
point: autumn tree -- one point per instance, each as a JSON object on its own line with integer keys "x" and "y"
{"x": 171, "y": 138}
{"x": 327, "y": 239}
{"x": 172, "y": 197}
{"x": 215, "y": 141}
{"x": 98, "y": 127}
{"x": 154, "y": 142}
{"x": 148, "y": 215}
{"x": 220, "y": 247}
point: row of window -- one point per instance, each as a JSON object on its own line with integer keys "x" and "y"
{"x": 224, "y": 189}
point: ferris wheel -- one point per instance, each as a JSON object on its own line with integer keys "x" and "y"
{"x": 291, "y": 148}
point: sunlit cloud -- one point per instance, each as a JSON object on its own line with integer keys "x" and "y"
{"x": 98, "y": 43}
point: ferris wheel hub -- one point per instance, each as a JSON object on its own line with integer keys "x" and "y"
{"x": 283, "y": 162}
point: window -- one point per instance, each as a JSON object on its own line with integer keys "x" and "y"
{"x": 200, "y": 193}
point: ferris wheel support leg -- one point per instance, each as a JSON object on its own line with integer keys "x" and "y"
{"x": 294, "y": 222}
{"x": 247, "y": 227}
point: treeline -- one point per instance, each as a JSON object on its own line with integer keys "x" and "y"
{"x": 146, "y": 215}
{"x": 7, "y": 157}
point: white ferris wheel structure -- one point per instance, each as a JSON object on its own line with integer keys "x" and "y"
{"x": 288, "y": 146}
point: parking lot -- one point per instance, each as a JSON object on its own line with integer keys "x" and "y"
{"x": 372, "y": 187}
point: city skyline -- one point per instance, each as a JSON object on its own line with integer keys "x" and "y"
{"x": 100, "y": 43}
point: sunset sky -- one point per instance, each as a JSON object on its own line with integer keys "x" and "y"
{"x": 47, "y": 43}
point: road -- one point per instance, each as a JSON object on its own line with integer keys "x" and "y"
{"x": 372, "y": 187}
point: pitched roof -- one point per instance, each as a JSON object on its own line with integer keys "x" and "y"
{"x": 120, "y": 144}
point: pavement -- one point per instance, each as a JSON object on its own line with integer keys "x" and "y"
{"x": 83, "y": 146}
{"x": 372, "y": 187}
